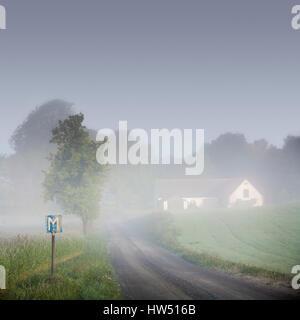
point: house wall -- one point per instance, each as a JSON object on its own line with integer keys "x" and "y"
{"x": 170, "y": 204}
{"x": 179, "y": 204}
{"x": 203, "y": 202}
{"x": 251, "y": 195}
{"x": 187, "y": 202}
{"x": 165, "y": 205}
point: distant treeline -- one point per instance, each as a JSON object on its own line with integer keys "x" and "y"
{"x": 275, "y": 171}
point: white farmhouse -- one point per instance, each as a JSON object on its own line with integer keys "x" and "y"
{"x": 184, "y": 194}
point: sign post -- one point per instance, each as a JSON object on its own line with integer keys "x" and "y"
{"x": 53, "y": 255}
{"x": 53, "y": 226}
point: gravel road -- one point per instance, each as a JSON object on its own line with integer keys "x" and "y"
{"x": 146, "y": 271}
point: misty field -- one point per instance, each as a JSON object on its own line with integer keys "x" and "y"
{"x": 267, "y": 238}
{"x": 82, "y": 271}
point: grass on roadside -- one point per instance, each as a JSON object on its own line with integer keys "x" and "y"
{"x": 161, "y": 228}
{"x": 266, "y": 237}
{"x": 83, "y": 269}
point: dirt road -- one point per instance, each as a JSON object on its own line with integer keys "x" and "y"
{"x": 147, "y": 271}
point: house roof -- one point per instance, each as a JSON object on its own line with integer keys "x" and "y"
{"x": 190, "y": 188}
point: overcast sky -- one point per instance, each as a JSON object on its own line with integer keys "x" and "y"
{"x": 221, "y": 65}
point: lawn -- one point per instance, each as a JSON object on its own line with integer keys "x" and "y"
{"x": 267, "y": 237}
{"x": 83, "y": 269}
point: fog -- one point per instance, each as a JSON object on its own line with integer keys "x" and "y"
{"x": 35, "y": 225}
{"x": 149, "y": 231}
{"x": 131, "y": 190}
{"x": 158, "y": 65}
{"x": 186, "y": 64}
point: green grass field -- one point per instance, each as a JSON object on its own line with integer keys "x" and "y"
{"x": 267, "y": 237}
{"x": 83, "y": 269}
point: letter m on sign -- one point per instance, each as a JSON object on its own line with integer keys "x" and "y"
{"x": 53, "y": 224}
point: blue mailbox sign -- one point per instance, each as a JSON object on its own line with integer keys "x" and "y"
{"x": 53, "y": 224}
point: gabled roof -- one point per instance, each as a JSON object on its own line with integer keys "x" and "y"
{"x": 192, "y": 188}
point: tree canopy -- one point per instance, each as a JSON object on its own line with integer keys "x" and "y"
{"x": 35, "y": 131}
{"x": 74, "y": 178}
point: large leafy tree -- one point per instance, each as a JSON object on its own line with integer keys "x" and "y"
{"x": 74, "y": 178}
